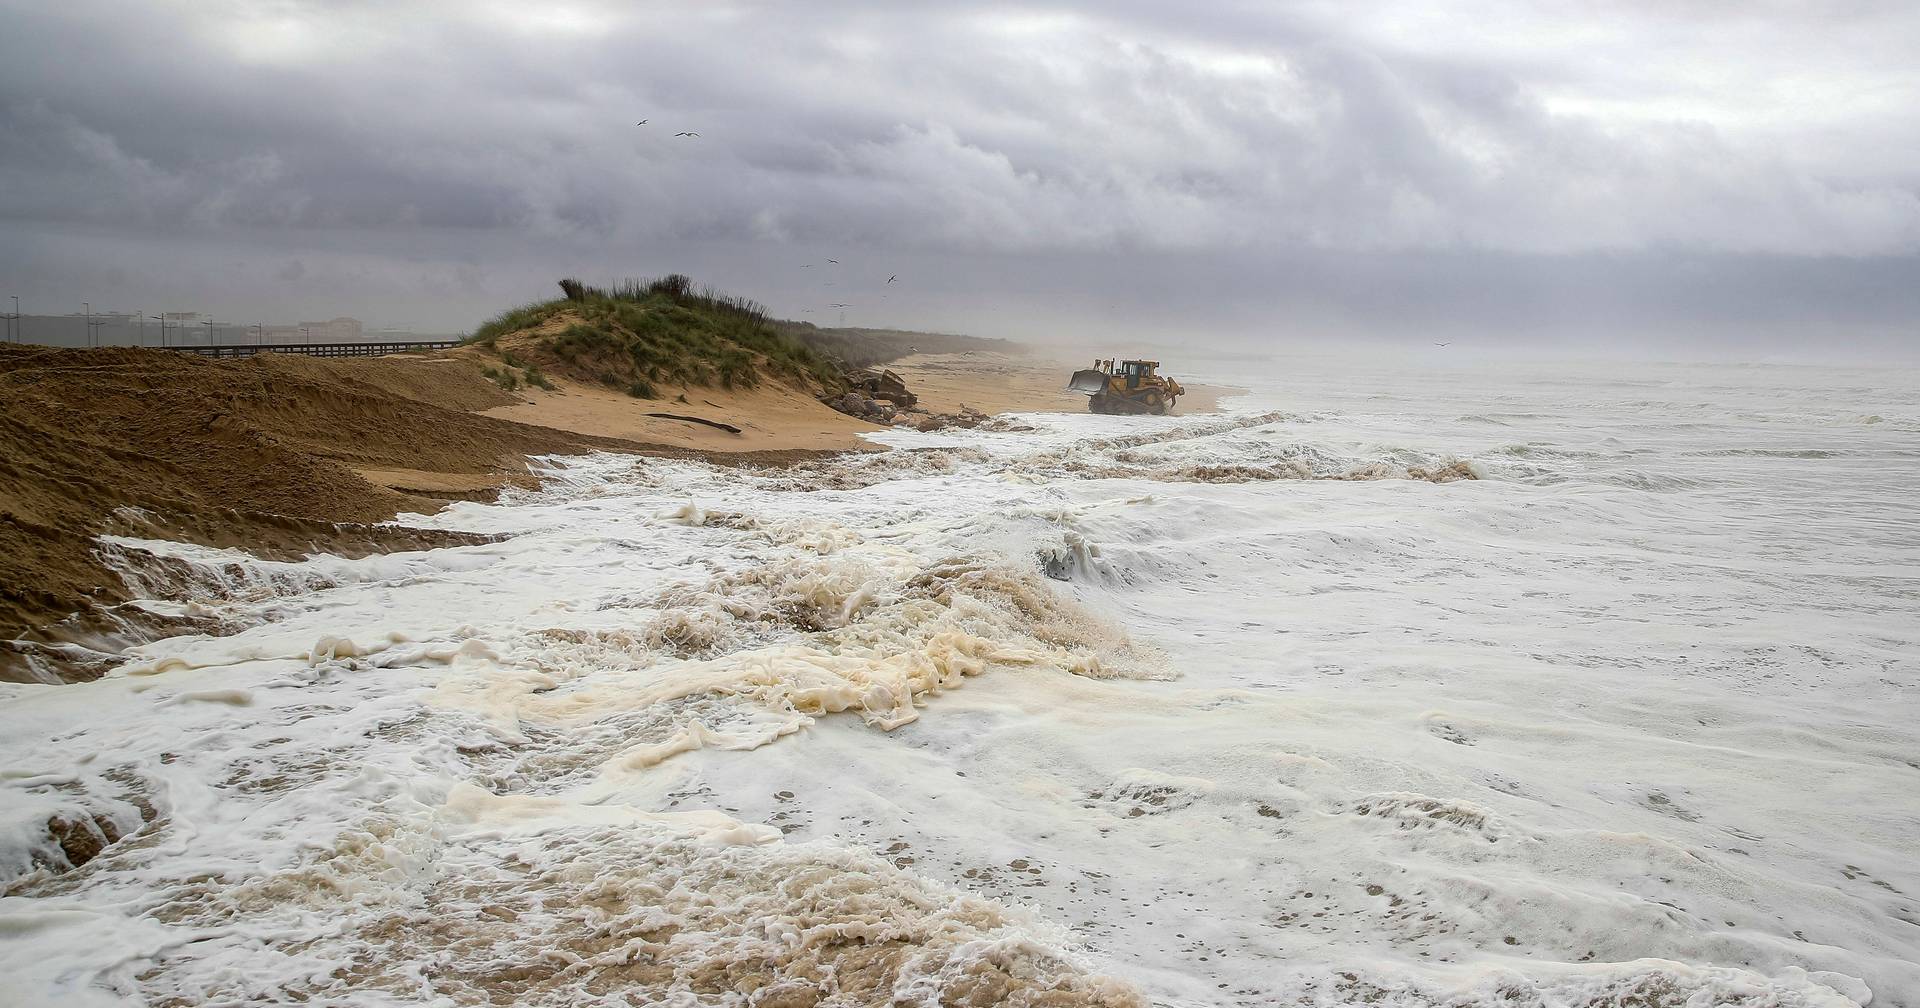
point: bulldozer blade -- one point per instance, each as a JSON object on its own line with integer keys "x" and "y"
{"x": 1087, "y": 381}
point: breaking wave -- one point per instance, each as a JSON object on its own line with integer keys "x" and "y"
{"x": 1232, "y": 450}
{"x": 490, "y": 900}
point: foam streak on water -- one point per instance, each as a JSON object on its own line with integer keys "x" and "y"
{"x": 1285, "y": 705}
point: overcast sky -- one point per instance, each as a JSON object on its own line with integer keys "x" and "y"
{"x": 1735, "y": 175}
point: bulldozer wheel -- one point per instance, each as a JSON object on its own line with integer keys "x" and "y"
{"x": 1156, "y": 403}
{"x": 1097, "y": 403}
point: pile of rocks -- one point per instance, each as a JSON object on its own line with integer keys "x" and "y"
{"x": 967, "y": 417}
{"x": 894, "y": 415}
{"x": 883, "y": 385}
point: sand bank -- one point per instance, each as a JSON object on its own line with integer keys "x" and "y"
{"x": 777, "y": 417}
{"x": 286, "y": 455}
{"x": 771, "y": 417}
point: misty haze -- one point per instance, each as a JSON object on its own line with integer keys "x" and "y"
{"x": 592, "y": 503}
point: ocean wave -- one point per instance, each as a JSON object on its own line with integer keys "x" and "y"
{"x": 543, "y": 902}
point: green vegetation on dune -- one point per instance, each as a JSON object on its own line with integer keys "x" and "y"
{"x": 645, "y": 337}
{"x": 640, "y": 335}
{"x": 860, "y": 347}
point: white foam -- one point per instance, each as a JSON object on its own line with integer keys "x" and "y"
{"x": 1627, "y": 719}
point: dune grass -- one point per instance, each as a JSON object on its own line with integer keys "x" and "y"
{"x": 640, "y": 334}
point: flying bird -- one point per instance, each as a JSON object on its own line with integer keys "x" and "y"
{"x": 836, "y": 262}
{"x": 892, "y": 278}
{"x": 642, "y": 122}
{"x": 806, "y": 265}
{"x": 839, "y": 306}
{"x": 686, "y": 134}
{"x": 1443, "y": 344}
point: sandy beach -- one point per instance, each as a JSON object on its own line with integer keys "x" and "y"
{"x": 770, "y": 418}
{"x": 1018, "y": 383}
{"x": 775, "y": 417}
{"x": 287, "y": 455}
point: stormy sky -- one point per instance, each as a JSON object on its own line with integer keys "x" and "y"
{"x": 1735, "y": 176}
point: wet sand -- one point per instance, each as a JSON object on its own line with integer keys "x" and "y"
{"x": 780, "y": 418}
{"x": 1018, "y": 383}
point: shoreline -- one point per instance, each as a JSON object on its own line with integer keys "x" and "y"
{"x": 775, "y": 417}
{"x": 289, "y": 456}
{"x": 996, "y": 383}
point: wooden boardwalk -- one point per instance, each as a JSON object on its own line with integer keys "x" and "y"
{"x": 366, "y": 349}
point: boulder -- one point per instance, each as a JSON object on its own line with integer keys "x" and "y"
{"x": 883, "y": 385}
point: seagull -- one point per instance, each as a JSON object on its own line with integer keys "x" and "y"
{"x": 836, "y": 262}
{"x": 806, "y": 265}
{"x": 839, "y": 306}
{"x": 686, "y": 134}
{"x": 1443, "y": 344}
{"x": 642, "y": 122}
{"x": 892, "y": 278}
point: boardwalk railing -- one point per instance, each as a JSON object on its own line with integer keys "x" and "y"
{"x": 369, "y": 349}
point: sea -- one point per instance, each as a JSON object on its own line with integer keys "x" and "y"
{"x": 1406, "y": 680}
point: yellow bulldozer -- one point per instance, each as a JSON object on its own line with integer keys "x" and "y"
{"x": 1130, "y": 386}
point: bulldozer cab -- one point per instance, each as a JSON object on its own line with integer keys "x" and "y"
{"x": 1137, "y": 371}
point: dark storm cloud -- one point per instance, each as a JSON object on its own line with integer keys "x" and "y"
{"x": 1540, "y": 166}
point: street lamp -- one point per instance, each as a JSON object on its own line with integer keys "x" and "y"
{"x": 258, "y": 337}
{"x": 15, "y": 327}
{"x": 210, "y": 332}
{"x": 93, "y": 327}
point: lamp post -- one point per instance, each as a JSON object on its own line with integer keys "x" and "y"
{"x": 211, "y": 341}
{"x": 16, "y": 327}
{"x": 258, "y": 337}
{"x": 93, "y": 327}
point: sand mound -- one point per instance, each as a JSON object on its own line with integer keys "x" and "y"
{"x": 262, "y": 452}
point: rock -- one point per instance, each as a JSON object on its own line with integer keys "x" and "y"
{"x": 82, "y": 838}
{"x": 883, "y": 385}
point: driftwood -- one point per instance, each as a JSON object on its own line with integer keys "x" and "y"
{"x": 729, "y": 428}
